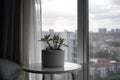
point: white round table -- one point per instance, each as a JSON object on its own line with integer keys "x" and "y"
{"x": 38, "y": 69}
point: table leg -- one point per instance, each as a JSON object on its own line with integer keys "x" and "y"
{"x": 73, "y": 76}
{"x": 43, "y": 78}
{"x": 51, "y": 77}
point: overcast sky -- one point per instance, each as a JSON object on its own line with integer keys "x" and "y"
{"x": 62, "y": 14}
{"x": 104, "y": 14}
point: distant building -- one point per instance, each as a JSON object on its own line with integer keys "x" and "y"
{"x": 102, "y": 30}
{"x": 112, "y": 30}
{"x": 71, "y": 40}
{"x": 102, "y": 68}
{"x": 117, "y": 30}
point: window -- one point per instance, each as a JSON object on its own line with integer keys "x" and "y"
{"x": 104, "y": 40}
{"x": 60, "y": 17}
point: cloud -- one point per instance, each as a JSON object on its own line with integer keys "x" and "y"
{"x": 104, "y": 14}
{"x": 59, "y": 14}
{"x": 116, "y": 2}
{"x": 52, "y": 17}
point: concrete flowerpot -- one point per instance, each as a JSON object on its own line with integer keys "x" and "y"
{"x": 52, "y": 58}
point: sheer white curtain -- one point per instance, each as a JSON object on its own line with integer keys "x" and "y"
{"x": 31, "y": 33}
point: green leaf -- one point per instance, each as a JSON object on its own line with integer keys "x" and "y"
{"x": 57, "y": 41}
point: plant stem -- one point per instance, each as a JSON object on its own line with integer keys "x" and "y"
{"x": 55, "y": 44}
{"x": 59, "y": 46}
{"x": 49, "y": 45}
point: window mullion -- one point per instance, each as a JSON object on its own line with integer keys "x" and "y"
{"x": 83, "y": 36}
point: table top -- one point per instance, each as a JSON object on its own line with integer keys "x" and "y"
{"x": 37, "y": 68}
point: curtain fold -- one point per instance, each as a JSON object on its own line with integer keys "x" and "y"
{"x": 1, "y": 24}
{"x": 31, "y": 20}
{"x": 19, "y": 20}
{"x": 10, "y": 30}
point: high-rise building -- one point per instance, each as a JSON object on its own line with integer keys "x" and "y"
{"x": 117, "y": 30}
{"x": 112, "y": 30}
{"x": 70, "y": 40}
{"x": 102, "y": 30}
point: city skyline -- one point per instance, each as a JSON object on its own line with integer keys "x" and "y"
{"x": 100, "y": 30}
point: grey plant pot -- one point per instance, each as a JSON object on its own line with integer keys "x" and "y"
{"x": 52, "y": 58}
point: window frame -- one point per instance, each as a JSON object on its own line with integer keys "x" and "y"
{"x": 83, "y": 37}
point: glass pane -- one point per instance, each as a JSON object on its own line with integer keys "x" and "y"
{"x": 104, "y": 40}
{"x": 60, "y": 17}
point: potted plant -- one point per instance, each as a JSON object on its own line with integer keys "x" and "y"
{"x": 53, "y": 55}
